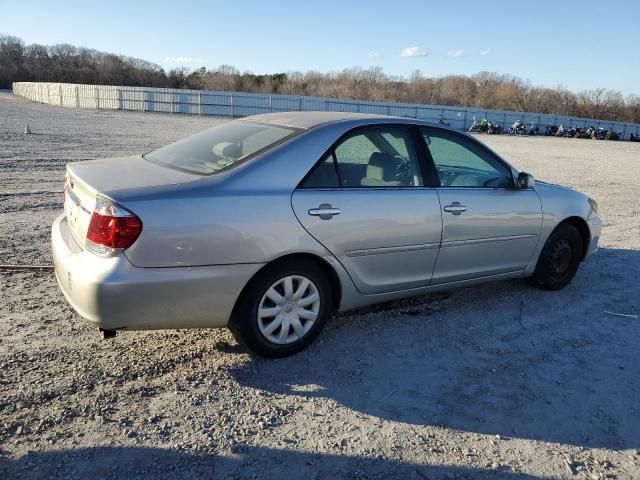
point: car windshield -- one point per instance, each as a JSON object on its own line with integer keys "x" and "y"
{"x": 221, "y": 147}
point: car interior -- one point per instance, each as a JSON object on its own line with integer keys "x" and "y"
{"x": 369, "y": 159}
{"x": 460, "y": 165}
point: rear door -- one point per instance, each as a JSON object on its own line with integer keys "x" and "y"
{"x": 488, "y": 226}
{"x": 367, "y": 203}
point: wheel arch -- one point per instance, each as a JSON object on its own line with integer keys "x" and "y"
{"x": 583, "y": 228}
{"x": 332, "y": 276}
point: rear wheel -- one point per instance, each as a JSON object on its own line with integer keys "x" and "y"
{"x": 283, "y": 309}
{"x": 560, "y": 258}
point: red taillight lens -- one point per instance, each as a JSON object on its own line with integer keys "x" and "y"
{"x": 113, "y": 232}
{"x": 112, "y": 227}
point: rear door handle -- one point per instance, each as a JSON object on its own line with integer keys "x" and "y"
{"x": 325, "y": 211}
{"x": 456, "y": 208}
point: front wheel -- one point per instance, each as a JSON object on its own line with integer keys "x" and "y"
{"x": 283, "y": 309}
{"x": 559, "y": 259}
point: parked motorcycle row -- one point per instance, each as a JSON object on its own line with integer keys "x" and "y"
{"x": 577, "y": 132}
{"x": 551, "y": 130}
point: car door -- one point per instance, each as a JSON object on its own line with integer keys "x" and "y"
{"x": 489, "y": 227}
{"x": 367, "y": 203}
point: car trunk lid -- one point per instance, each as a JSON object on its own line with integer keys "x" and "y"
{"x": 85, "y": 180}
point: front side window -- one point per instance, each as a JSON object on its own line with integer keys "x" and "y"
{"x": 460, "y": 163}
{"x": 375, "y": 157}
{"x": 220, "y": 147}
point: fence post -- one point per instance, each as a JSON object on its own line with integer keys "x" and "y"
{"x": 77, "y": 96}
{"x": 199, "y": 103}
{"x": 464, "y": 127}
{"x": 300, "y": 104}
{"x": 271, "y": 103}
{"x": 233, "y": 112}
{"x": 60, "y": 92}
{"x": 388, "y": 109}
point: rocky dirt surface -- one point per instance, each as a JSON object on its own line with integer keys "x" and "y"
{"x": 498, "y": 381}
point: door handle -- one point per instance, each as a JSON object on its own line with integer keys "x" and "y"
{"x": 456, "y": 208}
{"x": 325, "y": 211}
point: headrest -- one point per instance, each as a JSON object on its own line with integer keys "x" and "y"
{"x": 382, "y": 166}
{"x": 227, "y": 150}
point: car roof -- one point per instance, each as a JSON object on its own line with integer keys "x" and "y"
{"x": 307, "y": 120}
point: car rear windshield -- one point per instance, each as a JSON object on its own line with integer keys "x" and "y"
{"x": 221, "y": 147}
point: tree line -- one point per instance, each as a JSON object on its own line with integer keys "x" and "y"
{"x": 70, "y": 64}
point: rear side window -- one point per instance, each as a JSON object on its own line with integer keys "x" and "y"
{"x": 221, "y": 147}
{"x": 369, "y": 158}
{"x": 324, "y": 175}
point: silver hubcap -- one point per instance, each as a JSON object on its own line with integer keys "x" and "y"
{"x": 288, "y": 309}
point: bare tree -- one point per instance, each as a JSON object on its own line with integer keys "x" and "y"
{"x": 485, "y": 90}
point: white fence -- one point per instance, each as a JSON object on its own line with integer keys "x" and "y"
{"x": 238, "y": 104}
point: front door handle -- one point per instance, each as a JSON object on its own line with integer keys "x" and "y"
{"x": 456, "y": 208}
{"x": 325, "y": 211}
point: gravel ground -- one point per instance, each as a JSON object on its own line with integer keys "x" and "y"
{"x": 498, "y": 381}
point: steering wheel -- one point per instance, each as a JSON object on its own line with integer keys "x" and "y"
{"x": 404, "y": 171}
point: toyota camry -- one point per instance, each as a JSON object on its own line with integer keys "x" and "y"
{"x": 270, "y": 223}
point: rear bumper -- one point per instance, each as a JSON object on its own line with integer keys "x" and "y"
{"x": 114, "y": 294}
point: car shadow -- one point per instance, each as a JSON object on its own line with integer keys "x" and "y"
{"x": 502, "y": 358}
{"x": 249, "y": 462}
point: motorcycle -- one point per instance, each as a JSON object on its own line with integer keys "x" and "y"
{"x": 611, "y": 135}
{"x": 582, "y": 133}
{"x": 518, "y": 128}
{"x": 533, "y": 130}
{"x": 481, "y": 127}
{"x": 550, "y": 129}
{"x": 572, "y": 132}
{"x": 494, "y": 129}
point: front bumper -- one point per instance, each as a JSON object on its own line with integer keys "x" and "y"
{"x": 114, "y": 294}
{"x": 595, "y": 227}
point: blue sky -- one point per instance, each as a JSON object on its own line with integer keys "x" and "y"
{"x": 578, "y": 45}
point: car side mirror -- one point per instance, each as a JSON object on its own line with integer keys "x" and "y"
{"x": 525, "y": 181}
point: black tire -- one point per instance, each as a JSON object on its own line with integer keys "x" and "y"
{"x": 244, "y": 321}
{"x": 560, "y": 258}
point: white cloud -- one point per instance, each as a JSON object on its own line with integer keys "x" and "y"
{"x": 414, "y": 52}
{"x": 455, "y": 53}
{"x": 182, "y": 60}
{"x": 485, "y": 52}
{"x": 374, "y": 54}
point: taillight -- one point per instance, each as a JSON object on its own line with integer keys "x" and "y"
{"x": 112, "y": 228}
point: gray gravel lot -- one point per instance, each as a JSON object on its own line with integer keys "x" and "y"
{"x": 498, "y": 381}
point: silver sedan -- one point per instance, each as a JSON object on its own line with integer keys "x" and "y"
{"x": 270, "y": 223}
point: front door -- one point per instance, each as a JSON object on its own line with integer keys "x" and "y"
{"x": 488, "y": 226}
{"x": 366, "y": 202}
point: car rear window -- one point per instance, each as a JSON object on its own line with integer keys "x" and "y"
{"x": 221, "y": 147}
